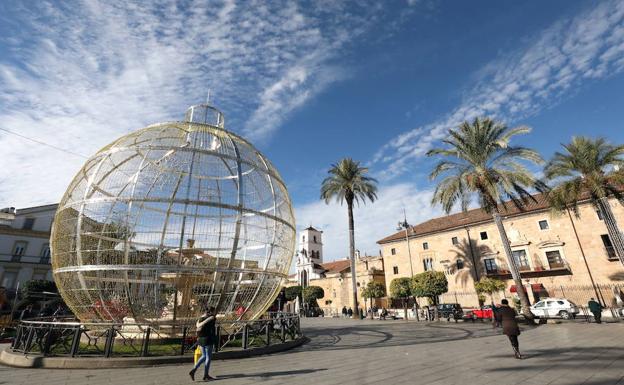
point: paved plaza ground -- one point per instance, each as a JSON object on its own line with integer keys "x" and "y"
{"x": 396, "y": 352}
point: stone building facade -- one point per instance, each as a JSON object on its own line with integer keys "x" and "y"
{"x": 25, "y": 245}
{"x": 336, "y": 283}
{"x": 557, "y": 254}
{"x": 334, "y": 277}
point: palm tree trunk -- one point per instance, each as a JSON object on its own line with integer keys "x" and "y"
{"x": 578, "y": 241}
{"x": 515, "y": 274}
{"x": 352, "y": 257}
{"x": 612, "y": 227}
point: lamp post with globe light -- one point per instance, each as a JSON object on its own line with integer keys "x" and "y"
{"x": 404, "y": 225}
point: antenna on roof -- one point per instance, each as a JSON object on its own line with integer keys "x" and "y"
{"x": 208, "y": 97}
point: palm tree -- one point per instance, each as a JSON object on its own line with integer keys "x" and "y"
{"x": 593, "y": 167}
{"x": 479, "y": 160}
{"x": 348, "y": 182}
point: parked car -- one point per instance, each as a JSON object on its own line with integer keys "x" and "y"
{"x": 450, "y": 310}
{"x": 555, "y": 308}
{"x": 485, "y": 312}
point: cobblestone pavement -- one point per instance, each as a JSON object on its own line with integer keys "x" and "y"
{"x": 396, "y": 352}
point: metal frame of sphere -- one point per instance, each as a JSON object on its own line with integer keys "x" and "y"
{"x": 170, "y": 220}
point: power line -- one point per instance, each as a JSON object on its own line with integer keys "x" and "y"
{"x": 43, "y": 143}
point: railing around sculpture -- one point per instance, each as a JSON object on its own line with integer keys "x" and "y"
{"x": 74, "y": 339}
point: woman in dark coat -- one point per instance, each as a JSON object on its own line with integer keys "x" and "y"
{"x": 507, "y": 316}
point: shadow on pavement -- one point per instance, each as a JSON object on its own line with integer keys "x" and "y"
{"x": 367, "y": 336}
{"x": 270, "y": 374}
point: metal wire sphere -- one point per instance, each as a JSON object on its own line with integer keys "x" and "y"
{"x": 169, "y": 220}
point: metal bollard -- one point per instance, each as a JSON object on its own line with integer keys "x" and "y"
{"x": 47, "y": 342}
{"x": 18, "y": 336}
{"x": 76, "y": 341}
{"x": 183, "y": 345}
{"x": 283, "y": 331}
{"x": 268, "y": 332}
{"x": 146, "y": 338}
{"x": 245, "y": 336}
{"x": 29, "y": 339}
{"x": 110, "y": 338}
{"x": 218, "y": 344}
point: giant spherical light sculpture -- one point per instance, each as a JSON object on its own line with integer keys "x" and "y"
{"x": 170, "y": 219}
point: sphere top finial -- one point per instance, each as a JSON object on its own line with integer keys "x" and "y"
{"x": 205, "y": 114}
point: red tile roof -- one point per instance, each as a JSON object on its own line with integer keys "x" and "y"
{"x": 466, "y": 218}
{"x": 336, "y": 266}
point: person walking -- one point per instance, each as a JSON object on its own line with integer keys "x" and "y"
{"x": 344, "y": 312}
{"x": 350, "y": 313}
{"x": 507, "y": 317}
{"x": 206, "y": 338}
{"x": 596, "y": 309}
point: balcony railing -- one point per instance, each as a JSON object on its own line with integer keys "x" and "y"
{"x": 25, "y": 258}
{"x": 553, "y": 269}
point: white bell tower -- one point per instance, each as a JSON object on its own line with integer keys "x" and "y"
{"x": 309, "y": 256}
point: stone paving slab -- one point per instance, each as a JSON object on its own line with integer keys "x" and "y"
{"x": 343, "y": 351}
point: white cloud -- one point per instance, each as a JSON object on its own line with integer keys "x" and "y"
{"x": 78, "y": 75}
{"x": 590, "y": 45}
{"x": 373, "y": 221}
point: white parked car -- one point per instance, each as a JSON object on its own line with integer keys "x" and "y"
{"x": 555, "y": 308}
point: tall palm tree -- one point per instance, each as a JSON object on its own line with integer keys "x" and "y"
{"x": 478, "y": 159}
{"x": 348, "y": 182}
{"x": 593, "y": 167}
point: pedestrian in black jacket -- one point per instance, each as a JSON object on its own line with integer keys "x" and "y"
{"x": 507, "y": 317}
{"x": 206, "y": 338}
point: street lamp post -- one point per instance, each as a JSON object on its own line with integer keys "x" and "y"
{"x": 404, "y": 225}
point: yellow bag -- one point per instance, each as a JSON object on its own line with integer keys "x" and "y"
{"x": 197, "y": 355}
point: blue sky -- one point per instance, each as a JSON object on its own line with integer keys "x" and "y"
{"x": 309, "y": 83}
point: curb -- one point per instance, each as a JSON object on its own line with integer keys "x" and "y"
{"x": 20, "y": 360}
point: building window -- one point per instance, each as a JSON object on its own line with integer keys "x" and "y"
{"x": 395, "y": 270}
{"x": 460, "y": 264}
{"x": 9, "y": 278}
{"x": 45, "y": 253}
{"x": 315, "y": 239}
{"x": 483, "y": 235}
{"x": 490, "y": 265}
{"x": 428, "y": 264}
{"x": 521, "y": 260}
{"x": 334, "y": 293}
{"x": 425, "y": 245}
{"x": 20, "y": 248}
{"x": 599, "y": 213}
{"x": 455, "y": 241}
{"x": 543, "y": 224}
{"x": 606, "y": 241}
{"x": 554, "y": 259}
{"x": 304, "y": 238}
{"x": 28, "y": 223}
{"x": 393, "y": 251}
